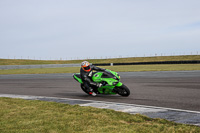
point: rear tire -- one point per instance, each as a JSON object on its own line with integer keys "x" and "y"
{"x": 123, "y": 91}
{"x": 83, "y": 88}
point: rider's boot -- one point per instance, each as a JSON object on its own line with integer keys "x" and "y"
{"x": 92, "y": 93}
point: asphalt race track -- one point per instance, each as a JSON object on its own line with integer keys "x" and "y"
{"x": 178, "y": 89}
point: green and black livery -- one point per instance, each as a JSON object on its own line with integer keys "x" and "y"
{"x": 109, "y": 79}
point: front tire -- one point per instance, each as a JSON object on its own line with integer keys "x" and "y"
{"x": 123, "y": 91}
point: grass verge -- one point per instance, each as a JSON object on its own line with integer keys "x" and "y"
{"x": 127, "y": 68}
{"x": 19, "y": 115}
{"x": 114, "y": 60}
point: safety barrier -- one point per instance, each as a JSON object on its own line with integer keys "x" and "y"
{"x": 149, "y": 63}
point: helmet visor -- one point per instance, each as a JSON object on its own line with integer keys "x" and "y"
{"x": 87, "y": 68}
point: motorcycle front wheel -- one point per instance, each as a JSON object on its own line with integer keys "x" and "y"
{"x": 123, "y": 91}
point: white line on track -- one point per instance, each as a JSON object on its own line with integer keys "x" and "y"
{"x": 94, "y": 101}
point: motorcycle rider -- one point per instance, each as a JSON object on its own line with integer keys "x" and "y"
{"x": 86, "y": 73}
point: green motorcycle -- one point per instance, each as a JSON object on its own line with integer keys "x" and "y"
{"x": 109, "y": 79}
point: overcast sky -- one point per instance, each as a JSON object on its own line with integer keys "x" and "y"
{"x": 68, "y": 29}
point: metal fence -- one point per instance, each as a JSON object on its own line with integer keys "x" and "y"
{"x": 104, "y": 57}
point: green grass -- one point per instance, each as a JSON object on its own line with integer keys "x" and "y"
{"x": 128, "y": 68}
{"x": 116, "y": 60}
{"x": 17, "y": 115}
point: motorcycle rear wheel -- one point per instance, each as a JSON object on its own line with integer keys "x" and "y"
{"x": 83, "y": 88}
{"x": 123, "y": 91}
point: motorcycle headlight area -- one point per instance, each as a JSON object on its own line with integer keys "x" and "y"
{"x": 118, "y": 75}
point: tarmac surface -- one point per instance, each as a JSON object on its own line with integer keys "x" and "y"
{"x": 173, "y": 95}
{"x": 173, "y": 89}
